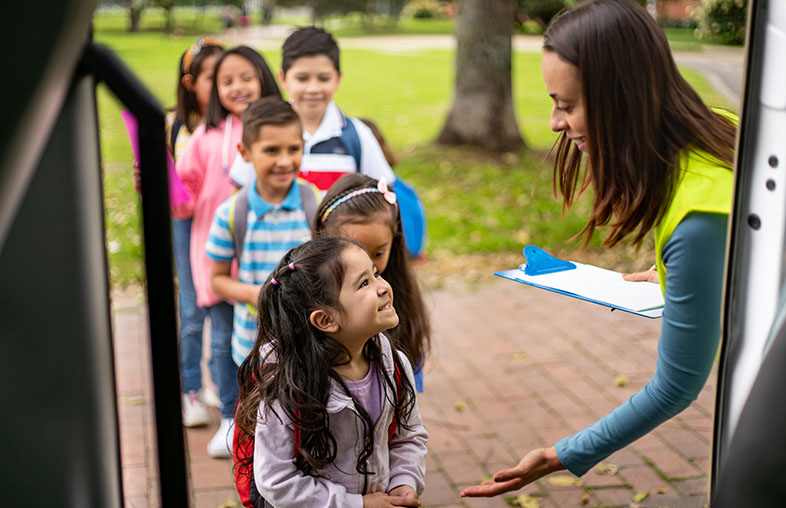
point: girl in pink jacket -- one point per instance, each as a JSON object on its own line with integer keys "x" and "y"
{"x": 329, "y": 402}
{"x": 241, "y": 77}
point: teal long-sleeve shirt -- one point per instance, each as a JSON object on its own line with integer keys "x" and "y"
{"x": 694, "y": 257}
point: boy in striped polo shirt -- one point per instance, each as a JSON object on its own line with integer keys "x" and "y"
{"x": 276, "y": 208}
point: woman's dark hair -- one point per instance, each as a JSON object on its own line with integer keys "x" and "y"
{"x": 292, "y": 361}
{"x": 413, "y": 333}
{"x": 215, "y": 110}
{"x": 640, "y": 113}
{"x": 187, "y": 110}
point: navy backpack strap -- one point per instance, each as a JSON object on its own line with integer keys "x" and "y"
{"x": 349, "y": 135}
{"x": 173, "y": 135}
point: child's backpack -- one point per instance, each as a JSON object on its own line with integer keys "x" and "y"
{"x": 243, "y": 448}
{"x": 238, "y": 212}
{"x": 413, "y": 213}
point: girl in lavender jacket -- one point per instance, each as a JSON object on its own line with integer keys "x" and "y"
{"x": 323, "y": 388}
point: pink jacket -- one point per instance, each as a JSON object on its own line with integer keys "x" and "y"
{"x": 201, "y": 167}
{"x": 402, "y": 462}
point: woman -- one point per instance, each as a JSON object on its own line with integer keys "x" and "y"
{"x": 656, "y": 158}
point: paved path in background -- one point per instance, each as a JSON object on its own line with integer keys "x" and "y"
{"x": 722, "y": 66}
{"x": 512, "y": 368}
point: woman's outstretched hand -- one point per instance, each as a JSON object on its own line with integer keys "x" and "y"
{"x": 534, "y": 465}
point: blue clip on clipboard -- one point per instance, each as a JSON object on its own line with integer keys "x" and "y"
{"x": 587, "y": 282}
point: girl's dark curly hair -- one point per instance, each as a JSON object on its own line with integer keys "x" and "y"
{"x": 413, "y": 333}
{"x": 292, "y": 361}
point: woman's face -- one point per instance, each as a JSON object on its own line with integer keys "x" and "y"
{"x": 563, "y": 85}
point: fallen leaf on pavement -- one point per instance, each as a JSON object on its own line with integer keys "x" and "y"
{"x": 662, "y": 490}
{"x": 527, "y": 501}
{"x": 621, "y": 380}
{"x": 565, "y": 481}
{"x": 641, "y": 496}
{"x": 585, "y": 498}
{"x": 460, "y": 405}
{"x": 132, "y": 400}
{"x": 608, "y": 469}
{"x": 518, "y": 357}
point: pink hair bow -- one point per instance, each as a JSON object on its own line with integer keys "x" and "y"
{"x": 388, "y": 194}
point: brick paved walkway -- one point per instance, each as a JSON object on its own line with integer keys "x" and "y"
{"x": 513, "y": 368}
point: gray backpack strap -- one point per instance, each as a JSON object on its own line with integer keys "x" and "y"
{"x": 239, "y": 221}
{"x": 309, "y": 201}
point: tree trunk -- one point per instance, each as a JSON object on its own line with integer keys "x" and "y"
{"x": 482, "y": 113}
{"x": 134, "y": 15}
{"x": 169, "y": 19}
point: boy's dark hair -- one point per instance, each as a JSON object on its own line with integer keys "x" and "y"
{"x": 413, "y": 333}
{"x": 267, "y": 111}
{"x": 215, "y": 111}
{"x": 299, "y": 377}
{"x": 187, "y": 108}
{"x": 308, "y": 41}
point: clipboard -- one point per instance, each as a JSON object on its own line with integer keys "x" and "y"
{"x": 587, "y": 282}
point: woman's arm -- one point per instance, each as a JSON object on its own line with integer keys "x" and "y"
{"x": 694, "y": 259}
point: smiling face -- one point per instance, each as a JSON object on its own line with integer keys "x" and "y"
{"x": 311, "y": 82}
{"x": 375, "y": 235}
{"x": 237, "y": 83}
{"x": 365, "y": 298}
{"x": 563, "y": 84}
{"x": 276, "y": 155}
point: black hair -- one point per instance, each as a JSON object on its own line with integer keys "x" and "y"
{"x": 266, "y": 111}
{"x": 302, "y": 358}
{"x": 309, "y": 41}
{"x": 215, "y": 110}
{"x": 187, "y": 110}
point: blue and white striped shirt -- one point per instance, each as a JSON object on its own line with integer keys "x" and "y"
{"x": 271, "y": 231}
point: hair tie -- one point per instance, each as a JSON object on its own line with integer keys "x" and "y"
{"x": 382, "y": 188}
{"x": 292, "y": 267}
{"x": 388, "y": 194}
{"x": 273, "y": 281}
{"x": 195, "y": 49}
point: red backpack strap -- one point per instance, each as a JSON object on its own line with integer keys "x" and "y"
{"x": 394, "y": 423}
{"x": 241, "y": 450}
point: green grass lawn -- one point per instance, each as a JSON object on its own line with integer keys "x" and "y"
{"x": 476, "y": 204}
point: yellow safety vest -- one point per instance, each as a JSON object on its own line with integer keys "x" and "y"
{"x": 705, "y": 185}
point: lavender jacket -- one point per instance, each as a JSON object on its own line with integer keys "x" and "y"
{"x": 401, "y": 462}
